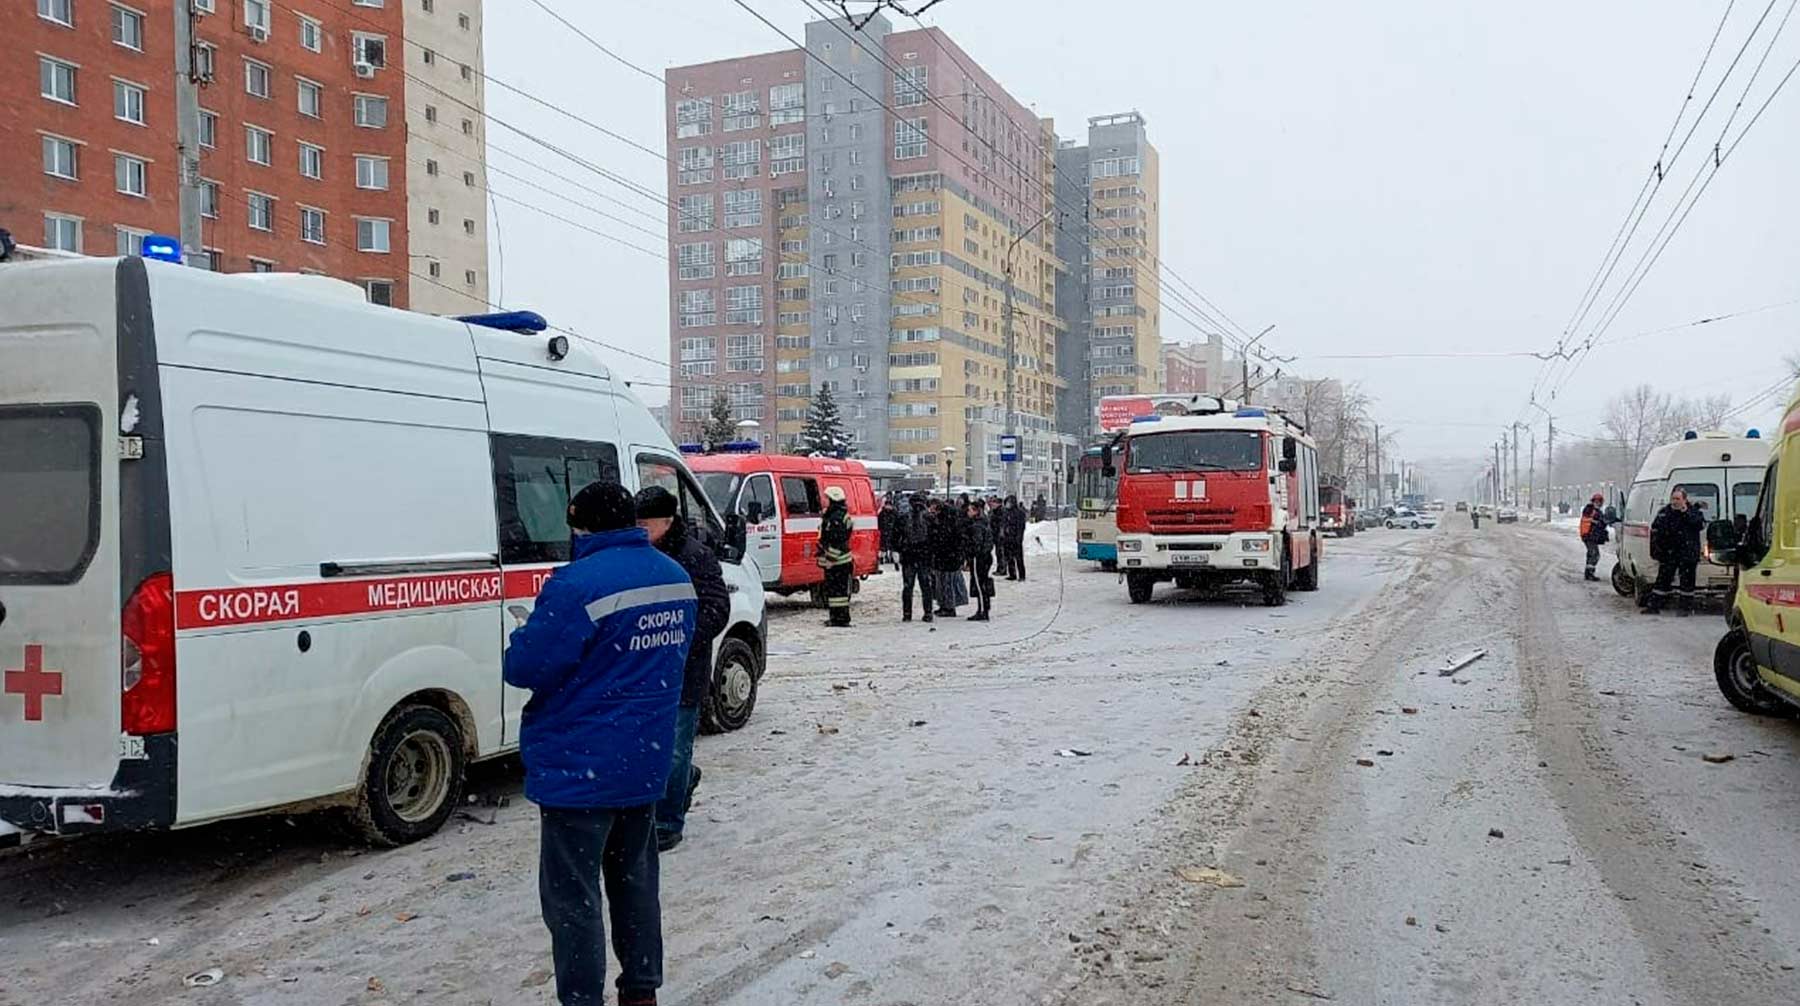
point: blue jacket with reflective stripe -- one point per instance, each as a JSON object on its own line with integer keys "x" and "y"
{"x": 603, "y": 654}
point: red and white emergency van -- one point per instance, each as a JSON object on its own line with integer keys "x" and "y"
{"x": 262, "y": 543}
{"x": 779, "y": 498}
{"x": 1207, "y": 499}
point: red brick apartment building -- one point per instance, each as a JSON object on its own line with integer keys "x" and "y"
{"x": 302, "y": 132}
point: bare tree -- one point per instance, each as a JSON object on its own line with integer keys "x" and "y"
{"x": 1710, "y": 413}
{"x": 1639, "y": 419}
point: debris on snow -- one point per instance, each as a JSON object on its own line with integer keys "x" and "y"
{"x": 375, "y": 985}
{"x": 823, "y": 729}
{"x": 1366, "y": 762}
{"x": 917, "y": 723}
{"x": 464, "y": 875}
{"x": 1186, "y": 760}
{"x": 1208, "y": 875}
{"x": 1309, "y": 993}
{"x": 836, "y": 969}
{"x": 1411, "y": 921}
{"x": 310, "y": 916}
{"x": 1409, "y": 710}
{"x": 1496, "y": 833}
{"x": 1073, "y": 753}
{"x": 204, "y": 979}
{"x": 1717, "y": 759}
{"x": 1461, "y": 662}
{"x": 1385, "y": 753}
{"x": 807, "y": 955}
{"x": 1440, "y": 927}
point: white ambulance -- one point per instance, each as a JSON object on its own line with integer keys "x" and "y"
{"x": 1720, "y": 473}
{"x": 262, "y": 543}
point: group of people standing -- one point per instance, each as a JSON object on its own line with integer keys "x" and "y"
{"x": 950, "y": 550}
{"x": 1674, "y": 547}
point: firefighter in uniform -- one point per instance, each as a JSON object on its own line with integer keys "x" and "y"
{"x": 834, "y": 556}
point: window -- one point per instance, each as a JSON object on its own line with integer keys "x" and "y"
{"x": 1743, "y": 499}
{"x": 434, "y": 269}
{"x": 50, "y": 513}
{"x": 694, "y": 261}
{"x": 468, "y": 72}
{"x": 62, "y": 233}
{"x": 209, "y": 200}
{"x": 215, "y": 259}
{"x": 741, "y": 159}
{"x": 743, "y": 257}
{"x": 430, "y": 113}
{"x": 372, "y": 234}
{"x": 693, "y": 117}
{"x": 469, "y": 226}
{"x": 206, "y": 59}
{"x": 469, "y": 277}
{"x": 310, "y": 96}
{"x": 694, "y": 213}
{"x": 312, "y": 225}
{"x": 428, "y": 5}
{"x": 256, "y": 14}
{"x": 534, "y": 477}
{"x": 800, "y": 496}
{"x": 261, "y": 265}
{"x": 60, "y": 157}
{"x": 432, "y": 216}
{"x": 371, "y": 111}
{"x": 696, "y": 308}
{"x": 462, "y": 21}
{"x": 127, "y": 28}
{"x": 743, "y": 305}
{"x": 743, "y": 208}
{"x": 209, "y": 129}
{"x": 258, "y": 143}
{"x": 380, "y": 291}
{"x": 262, "y": 211}
{"x": 1765, "y": 507}
{"x": 469, "y": 179}
{"x": 431, "y": 167}
{"x": 909, "y": 86}
{"x": 694, "y": 165}
{"x": 129, "y": 175}
{"x": 740, "y": 111}
{"x": 60, "y": 11}
{"x": 1113, "y": 167}
{"x": 656, "y": 470}
{"x": 909, "y": 138}
{"x": 56, "y": 80}
{"x": 370, "y": 50}
{"x": 787, "y": 104}
{"x": 787, "y": 153}
{"x": 1703, "y": 494}
{"x": 371, "y": 172}
{"x": 312, "y": 161}
{"x": 429, "y": 57}
{"x": 256, "y": 78}
{"x": 312, "y": 39}
{"x": 468, "y": 127}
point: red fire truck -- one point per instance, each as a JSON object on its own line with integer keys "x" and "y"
{"x": 1210, "y": 499}
{"x": 1337, "y": 512}
{"x": 779, "y": 498}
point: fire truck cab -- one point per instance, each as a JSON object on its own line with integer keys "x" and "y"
{"x": 1211, "y": 499}
{"x": 779, "y": 498}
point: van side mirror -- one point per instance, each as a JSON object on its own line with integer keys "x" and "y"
{"x": 1106, "y": 462}
{"x": 1722, "y": 542}
{"x": 1287, "y": 464}
{"x": 1612, "y": 515}
{"x": 735, "y": 536}
{"x": 1289, "y": 451}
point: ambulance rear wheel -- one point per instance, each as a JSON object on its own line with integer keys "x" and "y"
{"x": 1139, "y": 587}
{"x": 732, "y": 697}
{"x": 414, "y": 777}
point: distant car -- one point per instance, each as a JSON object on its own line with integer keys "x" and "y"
{"x": 1409, "y": 519}
{"x": 1485, "y": 509}
{"x": 1462, "y": 506}
{"x": 1508, "y": 516}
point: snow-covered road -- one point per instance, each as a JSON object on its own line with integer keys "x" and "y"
{"x": 1004, "y": 813}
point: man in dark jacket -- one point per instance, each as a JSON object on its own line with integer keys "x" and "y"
{"x": 834, "y": 556}
{"x": 659, "y": 514}
{"x": 1593, "y": 533}
{"x": 1039, "y": 509}
{"x": 602, "y": 654}
{"x": 1675, "y": 545}
{"x": 947, "y": 555}
{"x": 1012, "y": 524}
{"x": 914, "y": 534}
{"x": 887, "y": 523}
{"x": 981, "y": 562}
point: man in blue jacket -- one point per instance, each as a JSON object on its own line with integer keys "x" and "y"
{"x": 602, "y": 655}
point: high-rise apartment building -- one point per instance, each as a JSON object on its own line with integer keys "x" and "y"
{"x": 446, "y": 166}
{"x": 298, "y": 141}
{"x": 1194, "y": 368}
{"x": 1118, "y": 349}
{"x": 857, "y": 209}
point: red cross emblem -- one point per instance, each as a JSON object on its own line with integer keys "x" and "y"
{"x": 33, "y": 682}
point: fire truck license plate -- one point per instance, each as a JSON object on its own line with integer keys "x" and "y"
{"x": 1188, "y": 558}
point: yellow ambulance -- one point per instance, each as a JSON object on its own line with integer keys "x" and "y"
{"x": 1758, "y": 661}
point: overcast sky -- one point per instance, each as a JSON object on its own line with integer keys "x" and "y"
{"x": 1405, "y": 177}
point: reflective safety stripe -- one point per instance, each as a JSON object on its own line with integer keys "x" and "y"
{"x": 603, "y": 606}
{"x": 838, "y": 602}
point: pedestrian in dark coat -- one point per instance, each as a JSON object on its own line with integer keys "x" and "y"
{"x": 659, "y": 514}
{"x": 1593, "y": 533}
{"x": 1675, "y": 545}
{"x": 834, "y": 556}
{"x": 947, "y": 557}
{"x": 981, "y": 562}
{"x": 887, "y": 522}
{"x": 915, "y": 560}
{"x": 1039, "y": 509}
{"x": 1013, "y": 524}
{"x": 996, "y": 521}
{"x": 595, "y": 739}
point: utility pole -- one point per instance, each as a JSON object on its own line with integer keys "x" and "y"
{"x": 1244, "y": 359}
{"x": 1379, "y": 487}
{"x": 1499, "y": 448}
{"x": 1012, "y": 360}
{"x": 1515, "y": 448}
{"x": 1549, "y": 460}
{"x": 187, "y": 134}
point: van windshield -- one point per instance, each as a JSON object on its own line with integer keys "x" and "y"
{"x": 49, "y": 510}
{"x": 1195, "y": 451}
{"x": 720, "y": 487}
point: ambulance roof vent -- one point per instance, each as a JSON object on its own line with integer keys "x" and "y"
{"x": 522, "y": 322}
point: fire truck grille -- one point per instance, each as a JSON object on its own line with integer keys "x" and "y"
{"x": 1189, "y": 520}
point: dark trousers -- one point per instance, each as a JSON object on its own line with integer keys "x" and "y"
{"x": 1015, "y": 553}
{"x": 1593, "y": 556}
{"x": 837, "y": 592}
{"x": 578, "y": 848}
{"x": 671, "y": 810}
{"x": 981, "y": 572}
{"x": 920, "y": 571}
{"x": 1667, "y": 574}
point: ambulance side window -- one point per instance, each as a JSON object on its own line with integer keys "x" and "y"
{"x": 800, "y": 496}
{"x": 533, "y": 480}
{"x": 757, "y": 503}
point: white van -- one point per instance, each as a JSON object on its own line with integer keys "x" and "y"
{"x": 262, "y": 543}
{"x": 1723, "y": 472}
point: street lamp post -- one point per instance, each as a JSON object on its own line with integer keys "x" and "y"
{"x": 1245, "y": 360}
{"x": 1012, "y": 356}
{"x": 949, "y": 461}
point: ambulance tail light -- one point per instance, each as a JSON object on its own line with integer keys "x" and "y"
{"x": 147, "y": 665}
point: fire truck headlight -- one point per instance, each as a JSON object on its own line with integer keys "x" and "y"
{"x": 1130, "y": 545}
{"x": 1256, "y": 544}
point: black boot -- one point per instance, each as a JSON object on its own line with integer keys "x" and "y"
{"x": 906, "y": 616}
{"x": 927, "y": 616}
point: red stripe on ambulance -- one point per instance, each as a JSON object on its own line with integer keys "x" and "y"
{"x": 207, "y": 609}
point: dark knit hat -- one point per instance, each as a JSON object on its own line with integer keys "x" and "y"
{"x": 655, "y": 501}
{"x": 602, "y": 506}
